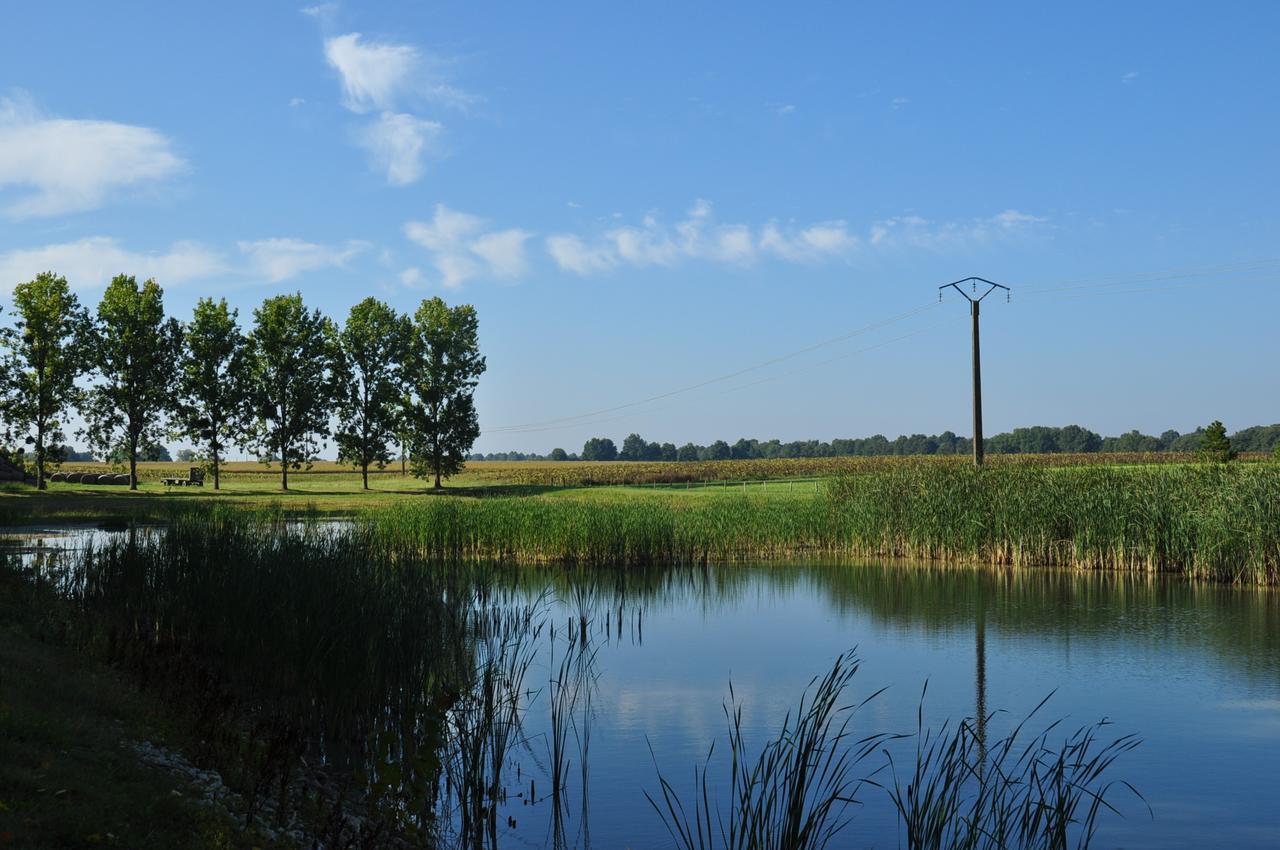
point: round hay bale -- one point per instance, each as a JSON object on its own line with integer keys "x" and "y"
{"x": 120, "y": 478}
{"x": 89, "y": 478}
{"x": 74, "y": 477}
{"x": 58, "y": 476}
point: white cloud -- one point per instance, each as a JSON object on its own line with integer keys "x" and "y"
{"x": 915, "y": 232}
{"x": 373, "y": 75}
{"x": 70, "y": 165}
{"x": 696, "y": 237}
{"x": 279, "y": 259}
{"x": 462, "y": 248}
{"x": 397, "y": 144}
{"x": 503, "y": 251}
{"x": 411, "y": 276}
{"x": 572, "y": 254}
{"x": 700, "y": 237}
{"x": 379, "y": 77}
{"x": 1129, "y": 77}
{"x": 93, "y": 261}
{"x": 392, "y": 80}
{"x": 809, "y": 244}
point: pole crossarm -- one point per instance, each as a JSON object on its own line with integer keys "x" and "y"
{"x": 974, "y": 282}
{"x": 975, "y": 302}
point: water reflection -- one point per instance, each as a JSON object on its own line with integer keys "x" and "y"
{"x": 574, "y": 674}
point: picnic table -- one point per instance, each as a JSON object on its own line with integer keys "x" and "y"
{"x": 194, "y": 478}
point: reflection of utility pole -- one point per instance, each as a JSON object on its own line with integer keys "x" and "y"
{"x": 980, "y": 676}
{"x": 974, "y": 300}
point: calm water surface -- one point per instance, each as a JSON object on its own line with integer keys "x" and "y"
{"x": 1194, "y": 670}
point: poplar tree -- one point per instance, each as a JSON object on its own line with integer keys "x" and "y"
{"x": 45, "y": 353}
{"x": 213, "y": 387}
{"x": 443, "y": 367}
{"x": 135, "y": 352}
{"x": 290, "y": 358}
{"x": 368, "y": 384}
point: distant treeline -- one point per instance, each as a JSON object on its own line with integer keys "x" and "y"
{"x": 1037, "y": 439}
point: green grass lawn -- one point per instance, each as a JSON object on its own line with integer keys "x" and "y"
{"x": 326, "y": 492}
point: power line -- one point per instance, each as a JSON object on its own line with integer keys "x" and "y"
{"x": 1082, "y": 289}
{"x": 739, "y": 388}
{"x": 725, "y": 377}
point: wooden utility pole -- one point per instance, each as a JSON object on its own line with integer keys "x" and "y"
{"x": 975, "y": 300}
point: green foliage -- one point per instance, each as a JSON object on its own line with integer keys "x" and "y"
{"x": 1214, "y": 445}
{"x": 135, "y": 350}
{"x": 633, "y": 448}
{"x": 213, "y": 389}
{"x": 45, "y": 352}
{"x": 599, "y": 448}
{"x": 559, "y": 454}
{"x": 443, "y": 366}
{"x": 148, "y": 451}
{"x": 290, "y": 355}
{"x": 368, "y": 384}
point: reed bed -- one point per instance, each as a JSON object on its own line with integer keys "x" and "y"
{"x": 1026, "y": 791}
{"x": 1211, "y": 521}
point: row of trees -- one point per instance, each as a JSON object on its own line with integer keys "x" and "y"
{"x": 1033, "y": 440}
{"x": 136, "y": 376}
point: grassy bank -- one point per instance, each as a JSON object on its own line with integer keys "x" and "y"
{"x": 70, "y": 775}
{"x": 1214, "y": 522}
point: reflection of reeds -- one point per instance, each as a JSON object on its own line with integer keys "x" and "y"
{"x": 961, "y": 793}
{"x": 571, "y": 708}
{"x": 792, "y": 794}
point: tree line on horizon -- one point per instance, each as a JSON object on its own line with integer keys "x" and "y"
{"x": 1037, "y": 439}
{"x": 136, "y": 376}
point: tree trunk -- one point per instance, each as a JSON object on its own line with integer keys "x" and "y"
{"x": 40, "y": 482}
{"x": 214, "y": 452}
{"x": 364, "y": 473}
{"x": 284, "y": 467}
{"x": 133, "y": 463}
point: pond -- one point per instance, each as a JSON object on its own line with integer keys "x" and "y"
{"x": 1191, "y": 669}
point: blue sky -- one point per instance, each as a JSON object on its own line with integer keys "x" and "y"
{"x": 643, "y": 198}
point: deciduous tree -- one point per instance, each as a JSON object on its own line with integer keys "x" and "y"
{"x": 45, "y": 353}
{"x": 135, "y": 352}
{"x": 290, "y": 358}
{"x": 369, "y": 384}
{"x": 444, "y": 365}
{"x": 213, "y": 381}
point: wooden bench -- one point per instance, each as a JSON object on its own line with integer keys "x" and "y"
{"x": 194, "y": 477}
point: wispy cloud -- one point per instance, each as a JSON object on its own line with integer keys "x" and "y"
{"x": 394, "y": 81}
{"x": 915, "y": 232}
{"x": 278, "y": 259}
{"x": 1129, "y": 77}
{"x": 70, "y": 165}
{"x": 92, "y": 262}
{"x": 463, "y": 247}
{"x": 398, "y": 144}
{"x": 374, "y": 76}
{"x": 698, "y": 236}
